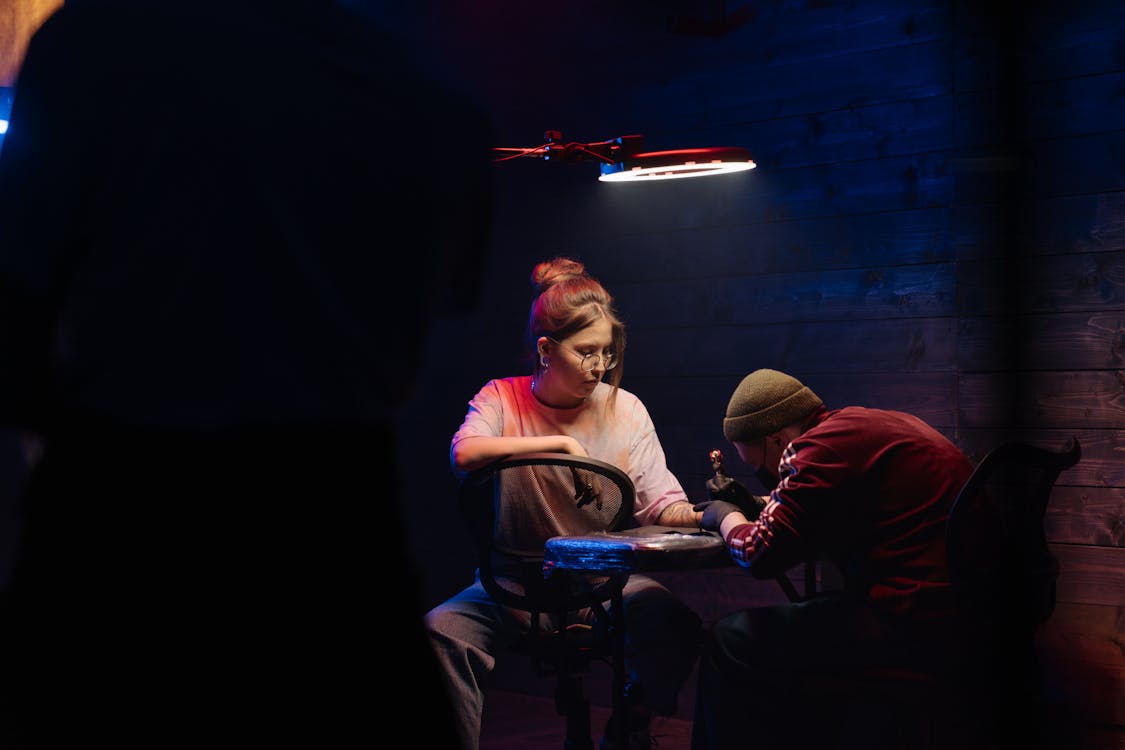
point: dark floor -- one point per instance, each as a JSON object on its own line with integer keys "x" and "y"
{"x": 517, "y": 721}
{"x": 521, "y": 721}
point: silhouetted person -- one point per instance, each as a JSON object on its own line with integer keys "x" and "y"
{"x": 201, "y": 322}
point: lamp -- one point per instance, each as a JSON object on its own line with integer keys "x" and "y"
{"x": 622, "y": 160}
{"x": 683, "y": 162}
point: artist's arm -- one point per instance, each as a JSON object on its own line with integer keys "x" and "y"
{"x": 811, "y": 472}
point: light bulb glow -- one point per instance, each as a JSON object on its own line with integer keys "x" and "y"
{"x": 618, "y": 172}
{"x": 677, "y": 164}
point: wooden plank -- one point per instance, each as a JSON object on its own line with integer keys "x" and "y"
{"x": 1050, "y": 110}
{"x": 1055, "y": 226}
{"x": 848, "y": 134}
{"x": 1099, "y": 466}
{"x": 1060, "y": 341}
{"x": 1091, "y": 575}
{"x": 1076, "y": 106}
{"x": 757, "y": 92}
{"x": 1086, "y": 515}
{"x": 1083, "y": 164}
{"x": 817, "y": 244}
{"x": 1052, "y": 283}
{"x": 785, "y": 33}
{"x": 802, "y": 349}
{"x": 1040, "y": 169}
{"x": 1082, "y": 398}
{"x": 923, "y": 291}
{"x": 869, "y": 186}
{"x": 1061, "y": 40}
{"x": 530, "y": 56}
{"x": 701, "y": 400}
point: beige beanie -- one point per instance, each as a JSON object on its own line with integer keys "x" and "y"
{"x": 764, "y": 402}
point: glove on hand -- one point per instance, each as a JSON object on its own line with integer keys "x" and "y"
{"x": 732, "y": 491}
{"x": 714, "y": 511}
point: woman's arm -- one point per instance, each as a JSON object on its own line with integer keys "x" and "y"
{"x": 474, "y": 452}
{"x": 680, "y": 513}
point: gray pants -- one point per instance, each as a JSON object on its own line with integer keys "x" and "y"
{"x": 470, "y": 631}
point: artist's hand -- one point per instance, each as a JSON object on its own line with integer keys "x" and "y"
{"x": 732, "y": 491}
{"x": 714, "y": 511}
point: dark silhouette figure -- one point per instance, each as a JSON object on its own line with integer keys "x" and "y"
{"x": 201, "y": 328}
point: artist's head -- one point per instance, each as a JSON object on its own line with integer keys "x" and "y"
{"x": 764, "y": 414}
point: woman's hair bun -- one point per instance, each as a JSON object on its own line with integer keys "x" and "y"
{"x": 551, "y": 272}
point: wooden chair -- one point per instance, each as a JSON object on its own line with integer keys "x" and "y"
{"x": 513, "y": 507}
{"x": 1003, "y": 576}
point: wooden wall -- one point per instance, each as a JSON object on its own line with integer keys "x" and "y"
{"x": 936, "y": 224}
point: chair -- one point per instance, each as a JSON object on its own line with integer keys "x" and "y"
{"x": 1003, "y": 577}
{"x": 513, "y": 506}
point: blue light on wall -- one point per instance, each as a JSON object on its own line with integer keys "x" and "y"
{"x": 5, "y": 110}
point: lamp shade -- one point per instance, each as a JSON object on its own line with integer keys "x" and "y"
{"x": 678, "y": 163}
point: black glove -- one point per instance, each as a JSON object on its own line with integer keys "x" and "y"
{"x": 714, "y": 511}
{"x": 732, "y": 491}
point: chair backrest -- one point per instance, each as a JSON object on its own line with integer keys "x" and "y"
{"x": 514, "y": 505}
{"x": 996, "y": 544}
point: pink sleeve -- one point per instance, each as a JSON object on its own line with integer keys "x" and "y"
{"x": 657, "y": 487}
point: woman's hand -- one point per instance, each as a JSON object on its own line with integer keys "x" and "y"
{"x": 573, "y": 447}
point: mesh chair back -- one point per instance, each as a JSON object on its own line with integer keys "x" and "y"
{"x": 515, "y": 505}
{"x": 996, "y": 544}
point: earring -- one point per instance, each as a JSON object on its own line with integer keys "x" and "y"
{"x": 544, "y": 362}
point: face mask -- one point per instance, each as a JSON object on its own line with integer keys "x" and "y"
{"x": 767, "y": 478}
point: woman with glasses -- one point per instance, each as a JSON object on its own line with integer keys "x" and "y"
{"x": 572, "y": 402}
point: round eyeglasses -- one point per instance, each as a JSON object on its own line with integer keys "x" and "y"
{"x": 590, "y": 361}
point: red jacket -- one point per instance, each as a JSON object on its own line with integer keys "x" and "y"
{"x": 869, "y": 489}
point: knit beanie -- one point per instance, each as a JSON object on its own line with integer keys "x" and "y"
{"x": 764, "y": 402}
